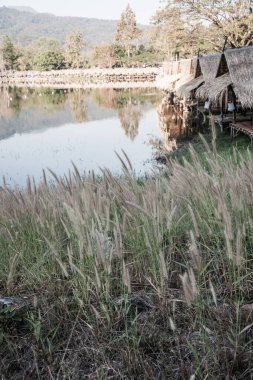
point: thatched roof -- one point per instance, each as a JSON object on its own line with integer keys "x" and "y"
{"x": 215, "y": 89}
{"x": 244, "y": 92}
{"x": 209, "y": 66}
{"x": 240, "y": 64}
{"x": 186, "y": 89}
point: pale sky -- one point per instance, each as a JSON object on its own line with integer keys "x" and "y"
{"x": 102, "y": 9}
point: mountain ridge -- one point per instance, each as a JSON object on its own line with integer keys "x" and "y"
{"x": 23, "y": 27}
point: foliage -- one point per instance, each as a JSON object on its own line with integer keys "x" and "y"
{"x": 9, "y": 54}
{"x": 203, "y": 24}
{"x": 233, "y": 19}
{"x": 127, "y": 30}
{"x": 74, "y": 46}
{"x": 105, "y": 56}
{"x": 49, "y": 60}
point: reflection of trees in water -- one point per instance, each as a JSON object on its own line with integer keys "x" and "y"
{"x": 13, "y": 100}
{"x": 76, "y": 100}
{"x": 130, "y": 104}
{"x": 117, "y": 98}
{"x": 105, "y": 97}
{"x": 130, "y": 116}
{"x": 16, "y": 99}
{"x": 39, "y": 103}
{"x": 5, "y": 101}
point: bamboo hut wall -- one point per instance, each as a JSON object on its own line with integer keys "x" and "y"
{"x": 185, "y": 66}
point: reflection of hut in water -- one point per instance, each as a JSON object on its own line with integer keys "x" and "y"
{"x": 174, "y": 125}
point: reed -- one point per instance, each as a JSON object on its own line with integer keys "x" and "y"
{"x": 127, "y": 278}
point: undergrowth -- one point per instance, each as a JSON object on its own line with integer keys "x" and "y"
{"x": 118, "y": 278}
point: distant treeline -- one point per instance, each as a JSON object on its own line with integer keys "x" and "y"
{"x": 33, "y": 41}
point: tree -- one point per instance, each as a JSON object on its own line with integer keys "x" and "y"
{"x": 105, "y": 56}
{"x": 49, "y": 60}
{"x": 175, "y": 33}
{"x": 9, "y": 54}
{"x": 219, "y": 19}
{"x": 127, "y": 30}
{"x": 48, "y": 55}
{"x": 73, "y": 48}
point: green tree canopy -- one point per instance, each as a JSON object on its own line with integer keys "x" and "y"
{"x": 9, "y": 54}
{"x": 49, "y": 60}
{"x": 48, "y": 55}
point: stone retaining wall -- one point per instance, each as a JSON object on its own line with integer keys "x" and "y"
{"x": 80, "y": 78}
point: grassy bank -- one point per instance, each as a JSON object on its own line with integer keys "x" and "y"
{"x": 117, "y": 278}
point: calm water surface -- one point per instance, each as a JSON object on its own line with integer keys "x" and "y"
{"x": 44, "y": 128}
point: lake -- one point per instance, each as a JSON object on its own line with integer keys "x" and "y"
{"x": 48, "y": 128}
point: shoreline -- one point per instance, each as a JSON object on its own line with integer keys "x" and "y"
{"x": 88, "y": 78}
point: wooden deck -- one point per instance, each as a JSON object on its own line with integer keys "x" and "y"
{"x": 245, "y": 127}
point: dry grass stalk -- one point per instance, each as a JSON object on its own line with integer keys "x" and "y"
{"x": 189, "y": 286}
{"x": 194, "y": 253}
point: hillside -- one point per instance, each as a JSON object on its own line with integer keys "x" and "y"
{"x": 24, "y": 26}
{"x": 23, "y": 9}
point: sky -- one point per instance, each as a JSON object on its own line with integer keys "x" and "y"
{"x": 102, "y": 9}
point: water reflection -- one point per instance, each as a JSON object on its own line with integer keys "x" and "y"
{"x": 23, "y": 110}
{"x": 177, "y": 123}
{"x": 42, "y": 128}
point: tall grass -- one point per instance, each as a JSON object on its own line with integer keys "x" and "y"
{"x": 128, "y": 278}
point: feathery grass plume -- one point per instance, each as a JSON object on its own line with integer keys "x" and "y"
{"x": 11, "y": 274}
{"x": 28, "y": 185}
{"x": 239, "y": 253}
{"x": 189, "y": 286}
{"x": 128, "y": 160}
{"x": 194, "y": 221}
{"x": 229, "y": 249}
{"x": 194, "y": 253}
{"x": 163, "y": 266}
{"x": 44, "y": 178}
{"x": 126, "y": 277}
{"x": 214, "y": 135}
{"x": 53, "y": 250}
{"x": 213, "y": 293}
{"x": 206, "y": 145}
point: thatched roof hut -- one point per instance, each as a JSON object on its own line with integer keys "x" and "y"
{"x": 186, "y": 89}
{"x": 214, "y": 90}
{"x": 209, "y": 66}
{"x": 240, "y": 64}
{"x": 190, "y": 81}
{"x": 217, "y": 78}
